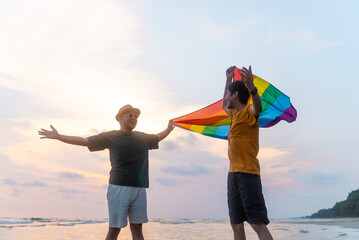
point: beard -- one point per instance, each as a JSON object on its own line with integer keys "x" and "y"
{"x": 230, "y": 105}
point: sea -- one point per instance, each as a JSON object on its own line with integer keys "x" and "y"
{"x": 162, "y": 229}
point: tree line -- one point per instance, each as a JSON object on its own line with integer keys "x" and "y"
{"x": 346, "y": 208}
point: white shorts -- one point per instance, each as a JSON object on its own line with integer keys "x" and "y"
{"x": 123, "y": 202}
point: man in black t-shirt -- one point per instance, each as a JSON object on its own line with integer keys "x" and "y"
{"x": 126, "y": 193}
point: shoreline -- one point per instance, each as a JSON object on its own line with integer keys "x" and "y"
{"x": 181, "y": 229}
{"x": 352, "y": 223}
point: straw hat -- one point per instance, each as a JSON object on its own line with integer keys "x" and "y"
{"x": 126, "y": 109}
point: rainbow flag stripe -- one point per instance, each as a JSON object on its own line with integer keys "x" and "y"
{"x": 213, "y": 121}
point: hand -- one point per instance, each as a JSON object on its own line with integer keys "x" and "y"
{"x": 229, "y": 72}
{"x": 53, "y": 134}
{"x": 247, "y": 78}
{"x": 170, "y": 125}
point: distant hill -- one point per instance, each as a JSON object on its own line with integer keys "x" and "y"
{"x": 347, "y": 208}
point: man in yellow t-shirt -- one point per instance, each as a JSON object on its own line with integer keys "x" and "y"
{"x": 244, "y": 187}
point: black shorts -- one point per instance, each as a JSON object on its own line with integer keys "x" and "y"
{"x": 245, "y": 198}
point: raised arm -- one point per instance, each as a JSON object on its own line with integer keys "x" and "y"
{"x": 162, "y": 135}
{"x": 229, "y": 75}
{"x": 247, "y": 78}
{"x": 53, "y": 134}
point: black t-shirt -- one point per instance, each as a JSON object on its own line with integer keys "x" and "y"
{"x": 128, "y": 155}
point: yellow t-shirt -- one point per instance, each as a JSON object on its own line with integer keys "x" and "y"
{"x": 243, "y": 143}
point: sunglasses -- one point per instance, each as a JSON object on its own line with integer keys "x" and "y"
{"x": 130, "y": 115}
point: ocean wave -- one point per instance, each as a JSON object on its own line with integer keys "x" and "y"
{"x": 188, "y": 220}
{"x": 14, "y": 222}
{"x": 281, "y": 229}
{"x": 42, "y": 222}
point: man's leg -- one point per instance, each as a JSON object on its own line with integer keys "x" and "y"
{"x": 136, "y": 230}
{"x": 113, "y": 233}
{"x": 138, "y": 213}
{"x": 238, "y": 230}
{"x": 236, "y": 211}
{"x": 118, "y": 199}
{"x": 262, "y": 231}
{"x": 254, "y": 204}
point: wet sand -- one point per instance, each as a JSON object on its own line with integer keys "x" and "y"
{"x": 339, "y": 222}
{"x": 178, "y": 229}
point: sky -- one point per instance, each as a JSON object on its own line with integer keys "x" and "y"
{"x": 73, "y": 64}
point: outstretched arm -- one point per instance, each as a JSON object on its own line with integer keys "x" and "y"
{"x": 229, "y": 75}
{"x": 247, "y": 78}
{"x": 162, "y": 135}
{"x": 53, "y": 134}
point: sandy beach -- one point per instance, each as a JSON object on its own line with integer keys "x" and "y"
{"x": 176, "y": 229}
{"x": 340, "y": 222}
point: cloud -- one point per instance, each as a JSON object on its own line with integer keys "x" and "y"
{"x": 20, "y": 104}
{"x": 192, "y": 170}
{"x": 192, "y": 143}
{"x": 15, "y": 106}
{"x": 211, "y": 29}
{"x": 310, "y": 41}
{"x": 100, "y": 158}
{"x": 324, "y": 178}
{"x": 188, "y": 138}
{"x": 307, "y": 38}
{"x": 218, "y": 148}
{"x": 71, "y": 175}
{"x": 35, "y": 184}
{"x": 75, "y": 47}
{"x": 12, "y": 107}
{"x": 70, "y": 191}
{"x": 10, "y": 182}
{"x": 94, "y": 131}
{"x": 303, "y": 196}
{"x": 168, "y": 145}
{"x": 16, "y": 192}
{"x": 168, "y": 182}
{"x": 268, "y": 153}
{"x": 4, "y": 160}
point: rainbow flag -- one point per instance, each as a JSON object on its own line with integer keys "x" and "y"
{"x": 213, "y": 121}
